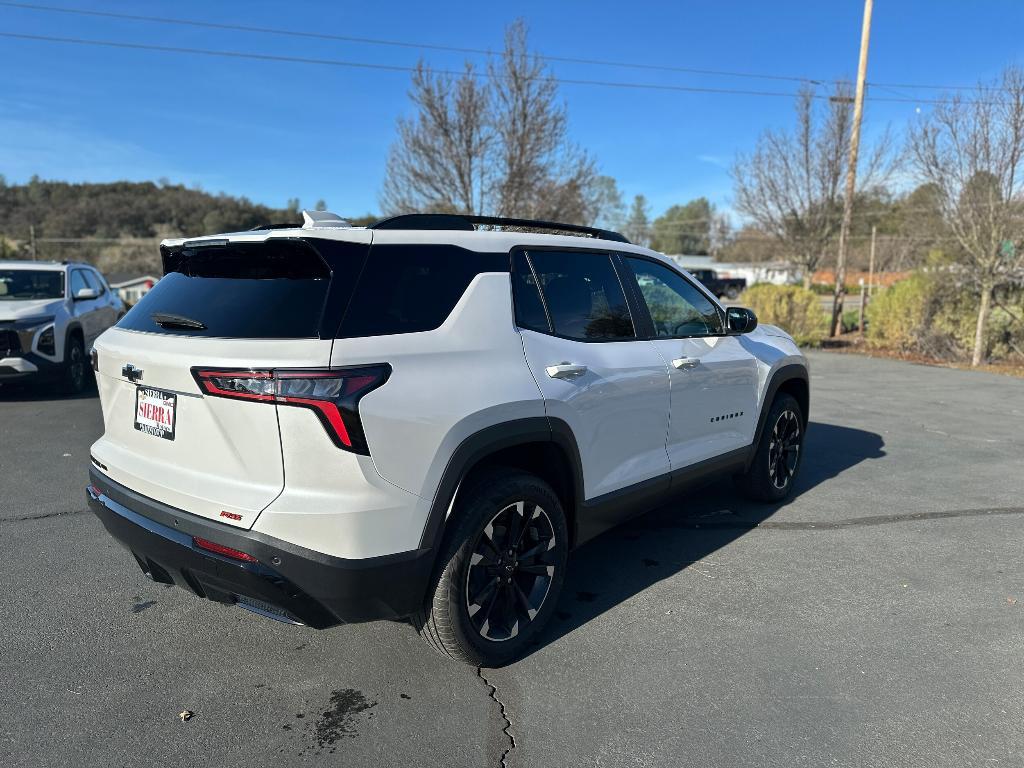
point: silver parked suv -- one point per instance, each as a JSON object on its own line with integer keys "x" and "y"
{"x": 419, "y": 419}
{"x": 50, "y": 314}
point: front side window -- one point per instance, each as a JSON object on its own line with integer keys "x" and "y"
{"x": 78, "y": 281}
{"x": 677, "y": 307}
{"x": 95, "y": 281}
{"x": 582, "y": 294}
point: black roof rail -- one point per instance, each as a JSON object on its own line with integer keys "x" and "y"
{"x": 465, "y": 223}
{"x": 281, "y": 225}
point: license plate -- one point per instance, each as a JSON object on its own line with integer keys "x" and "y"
{"x": 154, "y": 412}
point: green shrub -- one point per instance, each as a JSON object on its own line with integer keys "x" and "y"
{"x": 899, "y": 316}
{"x": 794, "y": 309}
{"x": 851, "y": 320}
{"x": 928, "y": 314}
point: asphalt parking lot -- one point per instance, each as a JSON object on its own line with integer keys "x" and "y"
{"x": 873, "y": 620}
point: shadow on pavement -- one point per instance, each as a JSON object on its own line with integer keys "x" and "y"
{"x": 41, "y": 392}
{"x": 627, "y": 560}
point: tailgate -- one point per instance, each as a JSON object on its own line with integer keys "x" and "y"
{"x": 214, "y": 457}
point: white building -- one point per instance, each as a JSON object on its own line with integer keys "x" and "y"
{"x": 775, "y": 272}
{"x": 131, "y": 289}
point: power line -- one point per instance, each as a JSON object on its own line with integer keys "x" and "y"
{"x": 401, "y": 68}
{"x": 367, "y": 65}
{"x": 467, "y": 50}
{"x": 397, "y": 43}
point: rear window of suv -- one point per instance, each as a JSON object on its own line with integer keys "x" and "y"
{"x": 271, "y": 290}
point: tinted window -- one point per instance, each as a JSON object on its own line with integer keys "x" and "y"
{"x": 18, "y": 284}
{"x": 269, "y": 290}
{"x": 677, "y": 307}
{"x": 529, "y": 308}
{"x": 583, "y": 295}
{"x": 410, "y": 288}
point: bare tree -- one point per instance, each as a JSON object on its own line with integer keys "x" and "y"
{"x": 495, "y": 143}
{"x": 440, "y": 162}
{"x": 791, "y": 186}
{"x": 971, "y": 151}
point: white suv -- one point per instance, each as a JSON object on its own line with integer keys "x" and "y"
{"x": 50, "y": 313}
{"x": 328, "y": 424}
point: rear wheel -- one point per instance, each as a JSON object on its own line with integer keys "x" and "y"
{"x": 772, "y": 472}
{"x": 732, "y": 292}
{"x": 500, "y": 573}
{"x": 73, "y": 379}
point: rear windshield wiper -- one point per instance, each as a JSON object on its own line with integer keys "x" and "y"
{"x": 165, "y": 320}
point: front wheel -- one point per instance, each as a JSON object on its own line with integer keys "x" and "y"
{"x": 501, "y": 571}
{"x": 73, "y": 378}
{"x": 772, "y": 471}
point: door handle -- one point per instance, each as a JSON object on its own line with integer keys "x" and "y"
{"x": 565, "y": 370}
{"x": 686, "y": 362}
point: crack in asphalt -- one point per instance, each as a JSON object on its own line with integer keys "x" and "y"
{"x": 43, "y": 516}
{"x": 507, "y": 730}
{"x": 853, "y": 522}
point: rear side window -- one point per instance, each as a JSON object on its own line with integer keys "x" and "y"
{"x": 582, "y": 294}
{"x": 410, "y": 288}
{"x": 271, "y": 290}
{"x": 677, "y": 308}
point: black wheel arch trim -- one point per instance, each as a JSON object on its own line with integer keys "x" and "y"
{"x": 786, "y": 373}
{"x": 487, "y": 441}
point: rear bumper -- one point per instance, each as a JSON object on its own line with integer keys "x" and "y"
{"x": 288, "y": 583}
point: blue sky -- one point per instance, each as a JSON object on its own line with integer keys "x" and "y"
{"x": 272, "y": 131}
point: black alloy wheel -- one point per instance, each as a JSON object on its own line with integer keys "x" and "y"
{"x": 510, "y": 571}
{"x": 784, "y": 449}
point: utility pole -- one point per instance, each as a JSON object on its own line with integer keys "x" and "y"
{"x": 32, "y": 240}
{"x": 851, "y": 172}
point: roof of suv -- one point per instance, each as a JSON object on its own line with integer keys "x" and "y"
{"x": 432, "y": 228}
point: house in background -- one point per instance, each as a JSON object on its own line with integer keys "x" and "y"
{"x": 130, "y": 287}
{"x": 776, "y": 272}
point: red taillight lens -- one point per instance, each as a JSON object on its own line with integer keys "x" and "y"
{"x": 332, "y": 394}
{"x": 220, "y": 549}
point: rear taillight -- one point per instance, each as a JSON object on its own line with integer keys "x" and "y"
{"x": 94, "y": 359}
{"x": 220, "y": 549}
{"x": 332, "y": 394}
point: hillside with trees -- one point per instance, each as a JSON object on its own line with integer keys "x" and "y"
{"x": 117, "y": 226}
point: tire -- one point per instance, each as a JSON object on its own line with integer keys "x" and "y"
{"x": 773, "y": 470}
{"x": 732, "y": 293}
{"x": 74, "y": 379}
{"x": 479, "y": 612}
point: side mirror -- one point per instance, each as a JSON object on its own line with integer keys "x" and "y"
{"x": 85, "y": 294}
{"x": 740, "y": 320}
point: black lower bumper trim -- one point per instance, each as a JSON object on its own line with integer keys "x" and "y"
{"x": 288, "y": 583}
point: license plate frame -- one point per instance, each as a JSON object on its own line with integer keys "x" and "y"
{"x": 156, "y": 421}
